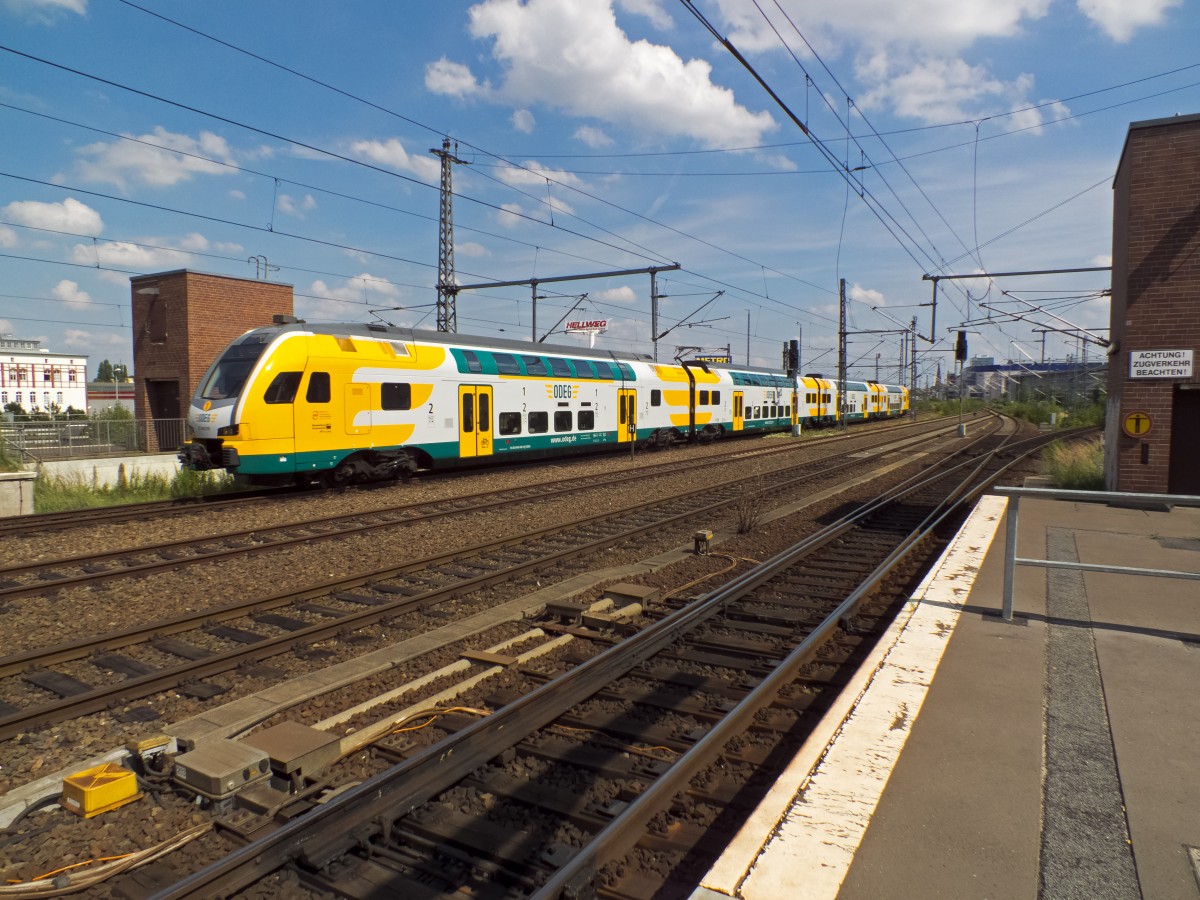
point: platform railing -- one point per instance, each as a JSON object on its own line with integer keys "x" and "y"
{"x": 1011, "y": 560}
{"x": 42, "y": 440}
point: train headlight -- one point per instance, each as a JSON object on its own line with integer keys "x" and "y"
{"x": 227, "y": 431}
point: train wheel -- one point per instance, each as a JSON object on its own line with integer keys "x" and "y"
{"x": 339, "y": 476}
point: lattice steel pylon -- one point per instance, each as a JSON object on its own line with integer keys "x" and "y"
{"x": 447, "y": 315}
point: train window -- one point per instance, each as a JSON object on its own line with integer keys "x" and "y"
{"x": 506, "y": 364}
{"x": 715, "y": 397}
{"x": 586, "y": 420}
{"x": 473, "y": 363}
{"x": 539, "y": 422}
{"x": 559, "y": 368}
{"x": 583, "y": 368}
{"x": 656, "y": 397}
{"x": 393, "y": 395}
{"x": 534, "y": 365}
{"x": 562, "y": 420}
{"x": 318, "y": 388}
{"x": 283, "y": 388}
{"x": 509, "y": 423}
{"x": 757, "y": 413}
{"x": 468, "y": 413}
{"x": 603, "y": 370}
{"x": 626, "y": 371}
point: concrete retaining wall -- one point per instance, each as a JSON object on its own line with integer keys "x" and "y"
{"x": 106, "y": 470}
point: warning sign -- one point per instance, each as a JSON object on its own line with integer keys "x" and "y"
{"x": 1136, "y": 424}
{"x": 1160, "y": 364}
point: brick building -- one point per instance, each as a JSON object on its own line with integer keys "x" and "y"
{"x": 181, "y": 321}
{"x": 1153, "y": 428}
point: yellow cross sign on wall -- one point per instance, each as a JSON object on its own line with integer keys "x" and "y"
{"x": 1136, "y": 424}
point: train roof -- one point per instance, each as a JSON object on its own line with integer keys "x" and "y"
{"x": 420, "y": 336}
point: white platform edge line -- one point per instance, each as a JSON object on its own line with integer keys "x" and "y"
{"x": 948, "y": 582}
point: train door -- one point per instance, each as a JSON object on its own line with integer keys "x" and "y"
{"x": 626, "y": 415}
{"x": 358, "y": 408}
{"x": 739, "y": 410}
{"x": 474, "y": 420}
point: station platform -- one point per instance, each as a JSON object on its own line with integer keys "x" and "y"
{"x": 1057, "y": 756}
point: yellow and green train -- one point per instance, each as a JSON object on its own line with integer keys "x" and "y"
{"x": 339, "y": 403}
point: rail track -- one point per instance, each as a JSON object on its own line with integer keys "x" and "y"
{"x": 616, "y": 775}
{"x": 42, "y": 575}
{"x": 91, "y": 518}
{"x": 41, "y": 689}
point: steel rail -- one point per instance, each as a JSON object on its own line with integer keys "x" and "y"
{"x": 133, "y": 688}
{"x": 372, "y": 806}
{"x": 476, "y": 502}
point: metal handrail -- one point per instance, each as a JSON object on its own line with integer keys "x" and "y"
{"x": 1011, "y": 560}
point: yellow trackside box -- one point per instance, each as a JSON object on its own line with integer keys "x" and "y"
{"x": 99, "y": 789}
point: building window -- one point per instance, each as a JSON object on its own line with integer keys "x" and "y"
{"x": 60, "y": 398}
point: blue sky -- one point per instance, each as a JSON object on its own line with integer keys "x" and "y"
{"x": 599, "y": 135}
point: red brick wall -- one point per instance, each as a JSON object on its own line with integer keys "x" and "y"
{"x": 202, "y": 313}
{"x": 1156, "y": 289}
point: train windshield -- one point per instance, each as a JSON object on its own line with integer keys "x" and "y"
{"x": 229, "y": 373}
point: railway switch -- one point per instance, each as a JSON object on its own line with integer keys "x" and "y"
{"x": 220, "y": 769}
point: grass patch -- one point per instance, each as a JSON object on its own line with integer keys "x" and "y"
{"x": 1076, "y": 466}
{"x": 59, "y": 494}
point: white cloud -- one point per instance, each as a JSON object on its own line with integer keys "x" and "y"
{"x": 623, "y": 295}
{"x": 511, "y": 215}
{"x": 1121, "y": 18}
{"x": 333, "y": 301}
{"x": 939, "y": 89}
{"x": 593, "y": 137}
{"x": 128, "y": 257}
{"x": 470, "y": 249}
{"x": 391, "y": 153}
{"x": 8, "y": 237}
{"x": 69, "y": 291}
{"x": 869, "y": 296}
{"x": 651, "y": 10}
{"x": 523, "y": 121}
{"x": 6, "y": 327}
{"x": 451, "y": 78}
{"x": 1103, "y": 259}
{"x": 45, "y": 12}
{"x": 162, "y": 165}
{"x": 364, "y": 288}
{"x": 293, "y": 208}
{"x": 533, "y": 172}
{"x": 92, "y": 340}
{"x": 237, "y": 195}
{"x": 70, "y": 215}
{"x": 573, "y": 57}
